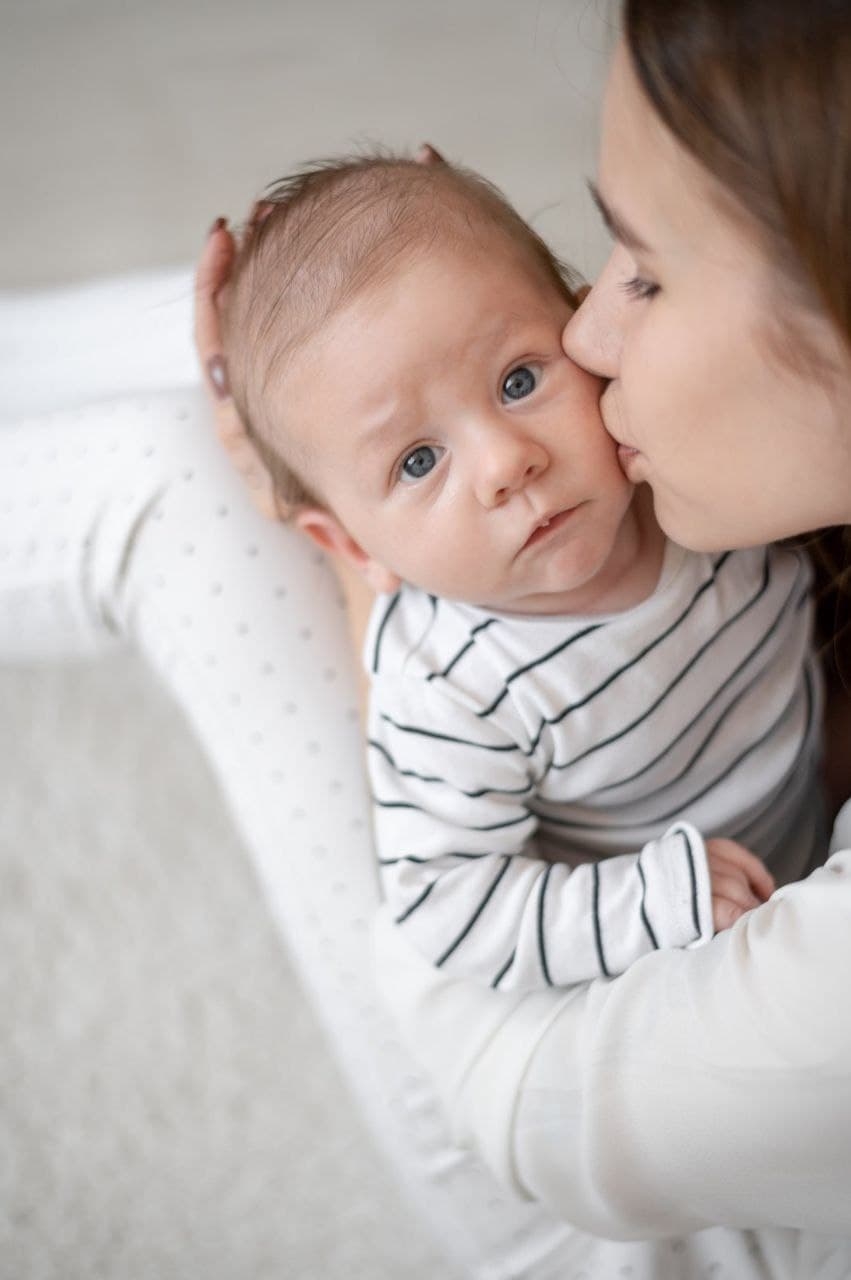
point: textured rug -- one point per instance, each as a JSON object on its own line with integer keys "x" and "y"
{"x": 167, "y": 1105}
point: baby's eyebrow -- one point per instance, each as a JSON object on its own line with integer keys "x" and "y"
{"x": 615, "y": 223}
{"x": 383, "y": 429}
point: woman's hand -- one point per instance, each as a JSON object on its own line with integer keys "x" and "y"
{"x": 214, "y": 268}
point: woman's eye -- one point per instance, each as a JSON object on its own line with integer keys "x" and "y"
{"x": 419, "y": 462}
{"x": 637, "y": 287}
{"x": 521, "y": 382}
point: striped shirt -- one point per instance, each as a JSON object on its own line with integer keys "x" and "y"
{"x": 542, "y": 784}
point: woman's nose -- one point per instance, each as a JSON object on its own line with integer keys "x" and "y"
{"x": 506, "y": 463}
{"x": 593, "y": 336}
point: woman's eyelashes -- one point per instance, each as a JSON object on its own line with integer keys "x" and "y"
{"x": 420, "y": 462}
{"x": 520, "y": 382}
{"x": 638, "y": 287}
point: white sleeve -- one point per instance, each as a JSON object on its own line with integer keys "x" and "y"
{"x": 701, "y": 1087}
{"x": 454, "y": 830}
{"x": 841, "y": 837}
{"x": 726, "y": 1095}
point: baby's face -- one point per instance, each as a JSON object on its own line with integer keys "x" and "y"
{"x": 455, "y": 442}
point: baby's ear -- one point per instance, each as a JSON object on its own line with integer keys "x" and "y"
{"x": 326, "y": 531}
{"x": 427, "y": 154}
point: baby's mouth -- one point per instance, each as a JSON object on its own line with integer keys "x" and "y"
{"x": 545, "y": 528}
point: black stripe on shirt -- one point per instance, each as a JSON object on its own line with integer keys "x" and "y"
{"x": 447, "y": 737}
{"x": 444, "y": 853}
{"x": 695, "y": 913}
{"x": 465, "y": 826}
{"x": 506, "y": 859}
{"x": 595, "y": 912}
{"x": 482, "y": 626}
{"x": 423, "y": 777}
{"x": 504, "y": 970}
{"x": 645, "y": 919}
{"x": 388, "y": 611}
{"x": 416, "y": 903}
{"x": 542, "y": 947}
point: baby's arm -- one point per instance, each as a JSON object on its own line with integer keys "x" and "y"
{"x": 454, "y": 822}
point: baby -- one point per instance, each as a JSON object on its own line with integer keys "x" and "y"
{"x": 564, "y": 707}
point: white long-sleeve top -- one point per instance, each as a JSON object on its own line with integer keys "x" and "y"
{"x": 542, "y": 784}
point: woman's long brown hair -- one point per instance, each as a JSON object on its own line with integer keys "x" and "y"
{"x": 759, "y": 92}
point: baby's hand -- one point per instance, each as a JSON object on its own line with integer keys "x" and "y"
{"x": 740, "y": 881}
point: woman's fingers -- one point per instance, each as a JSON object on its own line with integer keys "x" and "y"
{"x": 213, "y": 272}
{"x": 212, "y": 275}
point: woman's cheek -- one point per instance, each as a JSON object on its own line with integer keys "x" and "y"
{"x": 659, "y": 404}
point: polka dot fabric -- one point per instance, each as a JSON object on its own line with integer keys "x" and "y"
{"x": 122, "y": 521}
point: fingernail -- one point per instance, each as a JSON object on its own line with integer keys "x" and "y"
{"x": 218, "y": 225}
{"x": 217, "y": 372}
{"x": 260, "y": 211}
{"x": 426, "y": 154}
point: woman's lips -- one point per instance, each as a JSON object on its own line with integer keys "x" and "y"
{"x": 626, "y": 456}
{"x": 553, "y": 524}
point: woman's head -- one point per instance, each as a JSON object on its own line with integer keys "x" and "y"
{"x": 724, "y": 315}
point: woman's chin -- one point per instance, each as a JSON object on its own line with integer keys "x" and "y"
{"x": 683, "y": 525}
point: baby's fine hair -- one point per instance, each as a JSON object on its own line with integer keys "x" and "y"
{"x": 320, "y": 237}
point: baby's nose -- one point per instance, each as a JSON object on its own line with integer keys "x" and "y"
{"x": 507, "y": 466}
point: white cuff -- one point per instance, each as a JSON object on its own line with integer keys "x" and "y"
{"x": 682, "y": 870}
{"x": 841, "y": 838}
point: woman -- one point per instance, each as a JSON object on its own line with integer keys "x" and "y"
{"x": 712, "y": 1086}
{"x": 700, "y": 1087}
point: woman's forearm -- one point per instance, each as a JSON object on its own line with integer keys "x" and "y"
{"x": 701, "y": 1087}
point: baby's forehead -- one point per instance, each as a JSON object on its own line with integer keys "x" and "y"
{"x": 439, "y": 319}
{"x": 435, "y": 284}
{"x": 438, "y": 260}
{"x": 315, "y": 274}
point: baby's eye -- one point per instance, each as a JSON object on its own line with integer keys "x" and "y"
{"x": 420, "y": 461}
{"x": 521, "y": 382}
